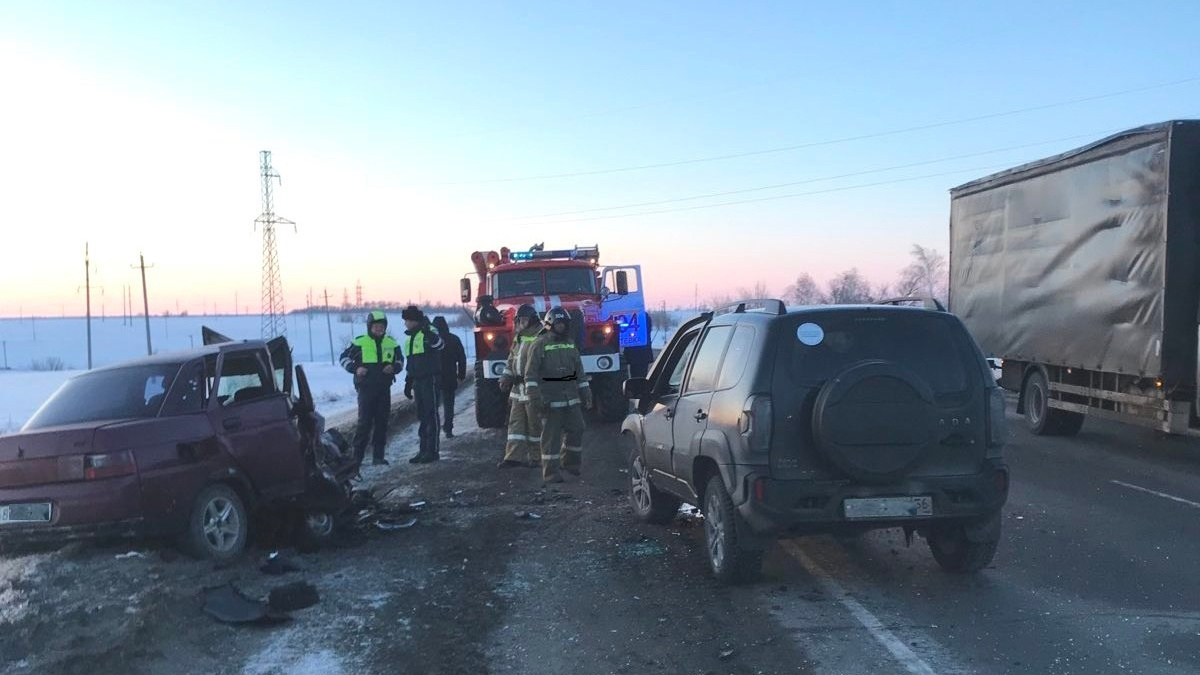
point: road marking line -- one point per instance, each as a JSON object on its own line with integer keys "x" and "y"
{"x": 913, "y": 663}
{"x": 1156, "y": 493}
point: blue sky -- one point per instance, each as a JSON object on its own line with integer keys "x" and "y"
{"x": 399, "y": 128}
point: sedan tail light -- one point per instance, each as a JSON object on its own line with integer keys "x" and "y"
{"x": 110, "y": 465}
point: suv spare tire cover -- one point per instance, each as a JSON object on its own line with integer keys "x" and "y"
{"x": 875, "y": 420}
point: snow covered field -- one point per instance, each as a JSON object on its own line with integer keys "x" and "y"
{"x": 30, "y": 347}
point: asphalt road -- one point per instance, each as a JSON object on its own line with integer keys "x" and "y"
{"x": 1094, "y": 575}
{"x": 1096, "y": 572}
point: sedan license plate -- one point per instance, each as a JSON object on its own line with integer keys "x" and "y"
{"x": 25, "y": 513}
{"x": 888, "y": 507}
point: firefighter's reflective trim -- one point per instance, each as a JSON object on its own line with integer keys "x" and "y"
{"x": 568, "y": 448}
{"x": 514, "y": 396}
{"x": 535, "y": 439}
{"x": 552, "y": 346}
{"x": 592, "y": 363}
{"x": 564, "y": 404}
{"x": 519, "y": 437}
{"x": 583, "y": 384}
{"x": 531, "y": 384}
{"x": 552, "y": 458}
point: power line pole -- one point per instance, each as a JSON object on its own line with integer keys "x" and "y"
{"x": 308, "y": 301}
{"x": 274, "y": 321}
{"x": 329, "y": 326}
{"x": 87, "y": 282}
{"x": 145, "y": 300}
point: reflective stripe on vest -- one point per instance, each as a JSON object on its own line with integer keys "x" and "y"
{"x": 415, "y": 344}
{"x": 383, "y": 351}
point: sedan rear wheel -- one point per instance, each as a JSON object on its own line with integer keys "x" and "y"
{"x": 218, "y": 527}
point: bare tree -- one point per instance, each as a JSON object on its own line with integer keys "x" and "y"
{"x": 926, "y": 276}
{"x": 849, "y": 287}
{"x": 804, "y": 291}
{"x": 759, "y": 290}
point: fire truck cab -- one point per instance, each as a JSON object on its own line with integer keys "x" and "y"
{"x": 606, "y": 305}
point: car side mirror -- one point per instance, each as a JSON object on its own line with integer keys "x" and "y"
{"x": 464, "y": 289}
{"x": 622, "y": 282}
{"x": 636, "y": 387}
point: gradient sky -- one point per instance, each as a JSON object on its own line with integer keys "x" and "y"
{"x": 410, "y": 134}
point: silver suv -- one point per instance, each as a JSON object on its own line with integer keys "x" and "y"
{"x": 833, "y": 419}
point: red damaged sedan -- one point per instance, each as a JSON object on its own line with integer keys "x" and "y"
{"x": 188, "y": 444}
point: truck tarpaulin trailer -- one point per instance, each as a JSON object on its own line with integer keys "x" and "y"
{"x": 1082, "y": 272}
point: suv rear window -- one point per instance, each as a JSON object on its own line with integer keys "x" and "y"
{"x": 817, "y": 347}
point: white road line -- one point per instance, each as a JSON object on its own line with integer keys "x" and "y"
{"x": 1156, "y": 493}
{"x": 913, "y": 663}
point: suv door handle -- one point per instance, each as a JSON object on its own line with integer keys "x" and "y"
{"x": 668, "y": 413}
{"x": 231, "y": 423}
{"x": 700, "y": 415}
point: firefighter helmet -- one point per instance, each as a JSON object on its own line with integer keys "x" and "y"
{"x": 527, "y": 312}
{"x": 555, "y": 315}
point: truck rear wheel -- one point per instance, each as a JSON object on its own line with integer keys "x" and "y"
{"x": 491, "y": 404}
{"x": 1042, "y": 419}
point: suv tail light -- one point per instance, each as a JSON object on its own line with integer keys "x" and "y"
{"x": 997, "y": 426}
{"x": 111, "y": 465}
{"x": 755, "y": 422}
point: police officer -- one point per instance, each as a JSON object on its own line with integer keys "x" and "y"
{"x": 422, "y": 347}
{"x": 374, "y": 360}
{"x": 524, "y": 423}
{"x": 454, "y": 370}
{"x": 557, "y": 385}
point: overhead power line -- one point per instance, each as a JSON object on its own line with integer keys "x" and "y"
{"x": 805, "y": 181}
{"x": 773, "y": 197}
{"x": 833, "y": 141}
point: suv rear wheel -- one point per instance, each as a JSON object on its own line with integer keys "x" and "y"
{"x": 650, "y": 504}
{"x": 729, "y": 559}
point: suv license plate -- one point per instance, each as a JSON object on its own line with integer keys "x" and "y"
{"x": 888, "y": 507}
{"x": 25, "y": 513}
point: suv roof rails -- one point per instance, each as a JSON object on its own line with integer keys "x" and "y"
{"x": 926, "y": 302}
{"x": 765, "y": 305}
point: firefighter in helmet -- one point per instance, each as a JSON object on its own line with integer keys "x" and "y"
{"x": 374, "y": 359}
{"x": 524, "y": 423}
{"x": 557, "y": 386}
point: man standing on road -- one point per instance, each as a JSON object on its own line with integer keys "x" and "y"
{"x": 524, "y": 423}
{"x": 422, "y": 349}
{"x": 374, "y": 359}
{"x": 454, "y": 370}
{"x": 557, "y": 384}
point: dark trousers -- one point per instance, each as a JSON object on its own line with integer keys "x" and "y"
{"x": 447, "y": 391}
{"x": 425, "y": 393}
{"x": 374, "y": 408}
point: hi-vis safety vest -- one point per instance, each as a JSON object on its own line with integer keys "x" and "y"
{"x": 373, "y": 352}
{"x": 415, "y": 344}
